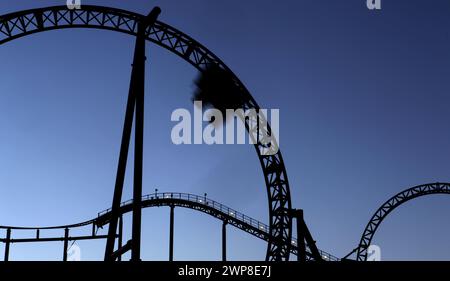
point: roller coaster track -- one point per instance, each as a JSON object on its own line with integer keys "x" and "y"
{"x": 390, "y": 205}
{"x": 278, "y": 233}
{"x": 173, "y": 199}
{"x": 23, "y": 23}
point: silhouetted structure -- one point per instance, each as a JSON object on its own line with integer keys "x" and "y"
{"x": 172, "y": 200}
{"x": 390, "y": 205}
{"x": 215, "y": 78}
{"x": 19, "y": 24}
{"x": 135, "y": 104}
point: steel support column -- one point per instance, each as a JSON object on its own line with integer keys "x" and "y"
{"x": 301, "y": 246}
{"x": 66, "y": 243}
{"x": 172, "y": 211}
{"x": 8, "y": 242}
{"x": 138, "y": 86}
{"x": 120, "y": 238}
{"x": 135, "y": 101}
{"x": 224, "y": 241}
{"x": 304, "y": 238}
{"x": 120, "y": 176}
{"x": 93, "y": 228}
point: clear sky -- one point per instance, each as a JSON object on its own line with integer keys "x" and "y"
{"x": 363, "y": 98}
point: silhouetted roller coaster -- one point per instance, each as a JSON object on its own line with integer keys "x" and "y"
{"x": 170, "y": 199}
{"x": 278, "y": 231}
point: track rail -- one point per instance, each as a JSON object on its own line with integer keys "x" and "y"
{"x": 27, "y": 22}
{"x": 390, "y": 205}
{"x": 184, "y": 200}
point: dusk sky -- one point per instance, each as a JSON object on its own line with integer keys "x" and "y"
{"x": 363, "y": 98}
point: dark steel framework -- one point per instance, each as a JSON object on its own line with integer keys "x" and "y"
{"x": 135, "y": 104}
{"x": 171, "y": 199}
{"x": 394, "y": 202}
{"x": 20, "y": 24}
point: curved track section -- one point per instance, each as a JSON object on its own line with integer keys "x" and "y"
{"x": 394, "y": 202}
{"x": 23, "y": 23}
{"x": 190, "y": 201}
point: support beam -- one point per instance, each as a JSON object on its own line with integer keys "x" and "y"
{"x": 138, "y": 86}
{"x": 312, "y": 244}
{"x": 55, "y": 239}
{"x": 172, "y": 211}
{"x": 138, "y": 81}
{"x": 66, "y": 243}
{"x": 122, "y": 250}
{"x": 8, "y": 242}
{"x": 301, "y": 246}
{"x": 304, "y": 238}
{"x": 224, "y": 241}
{"x": 120, "y": 176}
{"x": 120, "y": 238}
{"x": 135, "y": 99}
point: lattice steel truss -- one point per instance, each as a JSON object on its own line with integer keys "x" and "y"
{"x": 390, "y": 205}
{"x": 19, "y": 24}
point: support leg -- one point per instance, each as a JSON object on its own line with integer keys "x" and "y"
{"x": 301, "y": 247}
{"x": 172, "y": 211}
{"x": 120, "y": 176}
{"x": 119, "y": 258}
{"x": 138, "y": 87}
{"x": 224, "y": 241}
{"x": 139, "y": 65}
{"x": 311, "y": 243}
{"x": 8, "y": 242}
{"x": 66, "y": 243}
{"x": 135, "y": 100}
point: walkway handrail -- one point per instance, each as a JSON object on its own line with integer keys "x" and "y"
{"x": 186, "y": 197}
{"x": 217, "y": 206}
{"x": 198, "y": 199}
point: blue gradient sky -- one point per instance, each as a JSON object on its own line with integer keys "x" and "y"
{"x": 363, "y": 99}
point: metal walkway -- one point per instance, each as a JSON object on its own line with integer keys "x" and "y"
{"x": 171, "y": 199}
